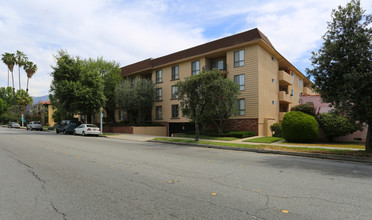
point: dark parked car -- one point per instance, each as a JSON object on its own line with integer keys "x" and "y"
{"x": 14, "y": 125}
{"x": 34, "y": 125}
{"x": 67, "y": 126}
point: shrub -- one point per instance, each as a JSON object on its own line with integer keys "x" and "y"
{"x": 307, "y": 108}
{"x": 335, "y": 125}
{"x": 276, "y": 128}
{"x": 299, "y": 127}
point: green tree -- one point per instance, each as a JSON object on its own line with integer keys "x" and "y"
{"x": 76, "y": 88}
{"x": 110, "y": 72}
{"x": 10, "y": 60}
{"x": 137, "y": 97}
{"x": 200, "y": 94}
{"x": 30, "y": 68}
{"x": 21, "y": 61}
{"x": 5, "y": 102}
{"x": 342, "y": 68}
{"x": 222, "y": 101}
{"x": 335, "y": 125}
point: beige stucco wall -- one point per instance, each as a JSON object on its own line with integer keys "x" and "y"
{"x": 268, "y": 84}
{"x": 50, "y": 116}
{"x": 151, "y": 130}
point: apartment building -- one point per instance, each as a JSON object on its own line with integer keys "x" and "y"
{"x": 269, "y": 84}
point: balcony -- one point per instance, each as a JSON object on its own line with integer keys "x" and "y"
{"x": 284, "y": 97}
{"x": 307, "y": 91}
{"x": 221, "y": 66}
{"x": 284, "y": 78}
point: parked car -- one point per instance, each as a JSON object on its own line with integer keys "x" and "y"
{"x": 34, "y": 125}
{"x": 14, "y": 125}
{"x": 67, "y": 126}
{"x": 87, "y": 129}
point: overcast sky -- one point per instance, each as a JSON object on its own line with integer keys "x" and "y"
{"x": 130, "y": 31}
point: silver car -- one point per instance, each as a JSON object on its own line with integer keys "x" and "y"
{"x": 34, "y": 125}
{"x": 14, "y": 125}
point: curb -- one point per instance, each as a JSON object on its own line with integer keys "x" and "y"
{"x": 300, "y": 154}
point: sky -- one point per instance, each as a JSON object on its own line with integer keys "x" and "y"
{"x": 131, "y": 31}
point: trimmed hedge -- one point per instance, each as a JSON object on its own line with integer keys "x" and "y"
{"x": 276, "y": 128}
{"x": 307, "y": 108}
{"x": 335, "y": 125}
{"x": 299, "y": 127}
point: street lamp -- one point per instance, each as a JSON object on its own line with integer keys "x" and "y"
{"x": 101, "y": 117}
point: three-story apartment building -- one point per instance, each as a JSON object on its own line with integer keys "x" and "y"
{"x": 269, "y": 84}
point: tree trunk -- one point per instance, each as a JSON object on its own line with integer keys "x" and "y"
{"x": 369, "y": 138}
{"x": 14, "y": 99}
{"x": 196, "y": 130}
{"x": 8, "y": 77}
{"x": 27, "y": 85}
{"x": 19, "y": 75}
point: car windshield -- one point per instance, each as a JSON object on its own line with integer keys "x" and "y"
{"x": 37, "y": 122}
{"x": 91, "y": 126}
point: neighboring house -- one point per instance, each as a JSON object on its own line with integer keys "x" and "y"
{"x": 323, "y": 107}
{"x": 48, "y": 119}
{"x": 269, "y": 84}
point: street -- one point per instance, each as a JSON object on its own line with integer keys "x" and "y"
{"x": 48, "y": 176}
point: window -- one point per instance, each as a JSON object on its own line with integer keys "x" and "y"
{"x": 273, "y": 80}
{"x": 300, "y": 83}
{"x": 158, "y": 113}
{"x": 159, "y": 76}
{"x": 293, "y": 95}
{"x": 239, "y": 58}
{"x": 273, "y": 102}
{"x": 175, "y": 73}
{"x": 174, "y": 92}
{"x": 122, "y": 115}
{"x": 239, "y": 80}
{"x": 174, "y": 111}
{"x": 195, "y": 67}
{"x": 292, "y": 74}
{"x": 158, "y": 94}
{"x": 241, "y": 107}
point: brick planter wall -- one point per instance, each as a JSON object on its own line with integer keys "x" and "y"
{"x": 118, "y": 129}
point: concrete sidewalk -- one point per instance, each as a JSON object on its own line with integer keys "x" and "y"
{"x": 136, "y": 137}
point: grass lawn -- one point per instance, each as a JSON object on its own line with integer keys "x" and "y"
{"x": 273, "y": 147}
{"x": 109, "y": 134}
{"x": 207, "y": 137}
{"x": 264, "y": 140}
{"x": 354, "y": 145}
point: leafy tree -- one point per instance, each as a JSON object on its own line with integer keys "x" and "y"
{"x": 21, "y": 61}
{"x": 222, "y": 100}
{"x": 110, "y": 72}
{"x": 76, "y": 87}
{"x": 276, "y": 129}
{"x": 342, "y": 68}
{"x": 10, "y": 60}
{"x": 5, "y": 101}
{"x": 136, "y": 98}
{"x": 30, "y": 68}
{"x": 335, "y": 125}
{"x": 201, "y": 94}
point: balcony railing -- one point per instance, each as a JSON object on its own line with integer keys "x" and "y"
{"x": 284, "y": 78}
{"x": 284, "y": 97}
{"x": 221, "y": 67}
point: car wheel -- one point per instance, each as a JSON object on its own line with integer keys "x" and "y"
{"x": 74, "y": 133}
{"x": 83, "y": 133}
{"x": 64, "y": 132}
{"x": 57, "y": 131}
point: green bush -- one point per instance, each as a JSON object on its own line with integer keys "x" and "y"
{"x": 276, "y": 128}
{"x": 335, "y": 125}
{"x": 299, "y": 127}
{"x": 307, "y": 108}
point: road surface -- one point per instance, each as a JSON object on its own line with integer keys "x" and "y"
{"x": 49, "y": 176}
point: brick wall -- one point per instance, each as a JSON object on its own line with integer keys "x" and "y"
{"x": 118, "y": 129}
{"x": 248, "y": 124}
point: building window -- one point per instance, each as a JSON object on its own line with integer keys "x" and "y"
{"x": 159, "y": 76}
{"x": 239, "y": 80}
{"x": 122, "y": 115}
{"x": 175, "y": 111}
{"x": 195, "y": 67}
{"x": 158, "y": 113}
{"x": 241, "y": 107}
{"x": 175, "y": 74}
{"x": 292, "y": 74}
{"x": 174, "y": 92}
{"x": 273, "y": 102}
{"x": 158, "y": 94}
{"x": 300, "y": 83}
{"x": 273, "y": 80}
{"x": 239, "y": 58}
{"x": 293, "y": 94}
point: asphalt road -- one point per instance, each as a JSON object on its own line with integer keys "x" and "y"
{"x": 49, "y": 176}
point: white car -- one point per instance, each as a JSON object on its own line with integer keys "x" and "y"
{"x": 87, "y": 129}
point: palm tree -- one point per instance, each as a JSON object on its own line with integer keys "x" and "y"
{"x": 30, "y": 68}
{"x": 10, "y": 60}
{"x": 21, "y": 60}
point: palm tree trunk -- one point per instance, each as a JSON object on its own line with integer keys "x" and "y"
{"x": 13, "y": 88}
{"x": 8, "y": 77}
{"x": 19, "y": 76}
{"x": 27, "y": 85}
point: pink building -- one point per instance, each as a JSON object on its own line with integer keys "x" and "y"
{"x": 323, "y": 107}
